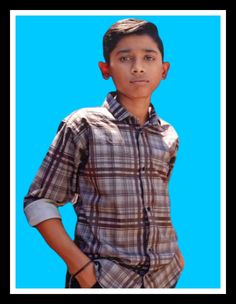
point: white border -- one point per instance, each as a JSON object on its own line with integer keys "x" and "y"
{"x": 117, "y": 291}
{"x": 12, "y": 154}
{"x": 13, "y": 14}
{"x": 223, "y": 149}
{"x": 117, "y": 12}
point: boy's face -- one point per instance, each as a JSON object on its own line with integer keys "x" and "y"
{"x": 135, "y": 66}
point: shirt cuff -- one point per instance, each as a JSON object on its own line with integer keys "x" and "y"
{"x": 41, "y": 210}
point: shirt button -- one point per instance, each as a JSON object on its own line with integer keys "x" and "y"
{"x": 143, "y": 168}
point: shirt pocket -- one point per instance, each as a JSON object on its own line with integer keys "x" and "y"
{"x": 114, "y": 138}
{"x": 105, "y": 137}
{"x": 107, "y": 147}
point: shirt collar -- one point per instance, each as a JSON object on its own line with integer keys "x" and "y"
{"x": 120, "y": 113}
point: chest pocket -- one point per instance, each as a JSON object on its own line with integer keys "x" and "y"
{"x": 105, "y": 137}
{"x": 107, "y": 146}
{"x": 114, "y": 138}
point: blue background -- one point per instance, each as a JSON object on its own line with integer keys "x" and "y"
{"x": 57, "y": 72}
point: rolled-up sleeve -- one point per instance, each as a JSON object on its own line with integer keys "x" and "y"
{"x": 41, "y": 210}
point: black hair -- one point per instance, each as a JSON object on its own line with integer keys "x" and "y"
{"x": 126, "y": 27}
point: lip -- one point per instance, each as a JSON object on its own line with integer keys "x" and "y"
{"x": 139, "y": 81}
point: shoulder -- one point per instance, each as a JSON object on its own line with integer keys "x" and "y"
{"x": 169, "y": 129}
{"x": 170, "y": 136}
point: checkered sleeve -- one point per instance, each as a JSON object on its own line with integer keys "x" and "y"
{"x": 56, "y": 180}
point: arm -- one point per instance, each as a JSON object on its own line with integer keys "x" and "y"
{"x": 54, "y": 185}
{"x": 55, "y": 235}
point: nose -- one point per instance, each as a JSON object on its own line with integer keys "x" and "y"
{"x": 137, "y": 68}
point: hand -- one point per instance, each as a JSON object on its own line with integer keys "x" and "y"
{"x": 87, "y": 278}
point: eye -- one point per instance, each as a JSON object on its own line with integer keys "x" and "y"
{"x": 125, "y": 58}
{"x": 149, "y": 58}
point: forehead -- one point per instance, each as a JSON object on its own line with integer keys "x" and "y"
{"x": 136, "y": 42}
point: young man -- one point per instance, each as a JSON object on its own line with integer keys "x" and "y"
{"x": 114, "y": 163}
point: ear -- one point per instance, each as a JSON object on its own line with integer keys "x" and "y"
{"x": 104, "y": 67}
{"x": 165, "y": 69}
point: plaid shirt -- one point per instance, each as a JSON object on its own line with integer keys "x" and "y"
{"x": 116, "y": 174}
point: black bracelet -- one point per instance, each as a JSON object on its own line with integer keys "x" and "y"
{"x": 81, "y": 269}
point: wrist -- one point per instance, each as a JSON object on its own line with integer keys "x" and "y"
{"x": 75, "y": 265}
{"x": 76, "y": 261}
{"x": 82, "y": 268}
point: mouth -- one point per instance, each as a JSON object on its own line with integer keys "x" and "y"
{"x": 139, "y": 81}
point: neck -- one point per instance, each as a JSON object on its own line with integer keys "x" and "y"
{"x": 138, "y": 107}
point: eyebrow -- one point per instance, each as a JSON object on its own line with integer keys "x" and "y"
{"x": 130, "y": 50}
